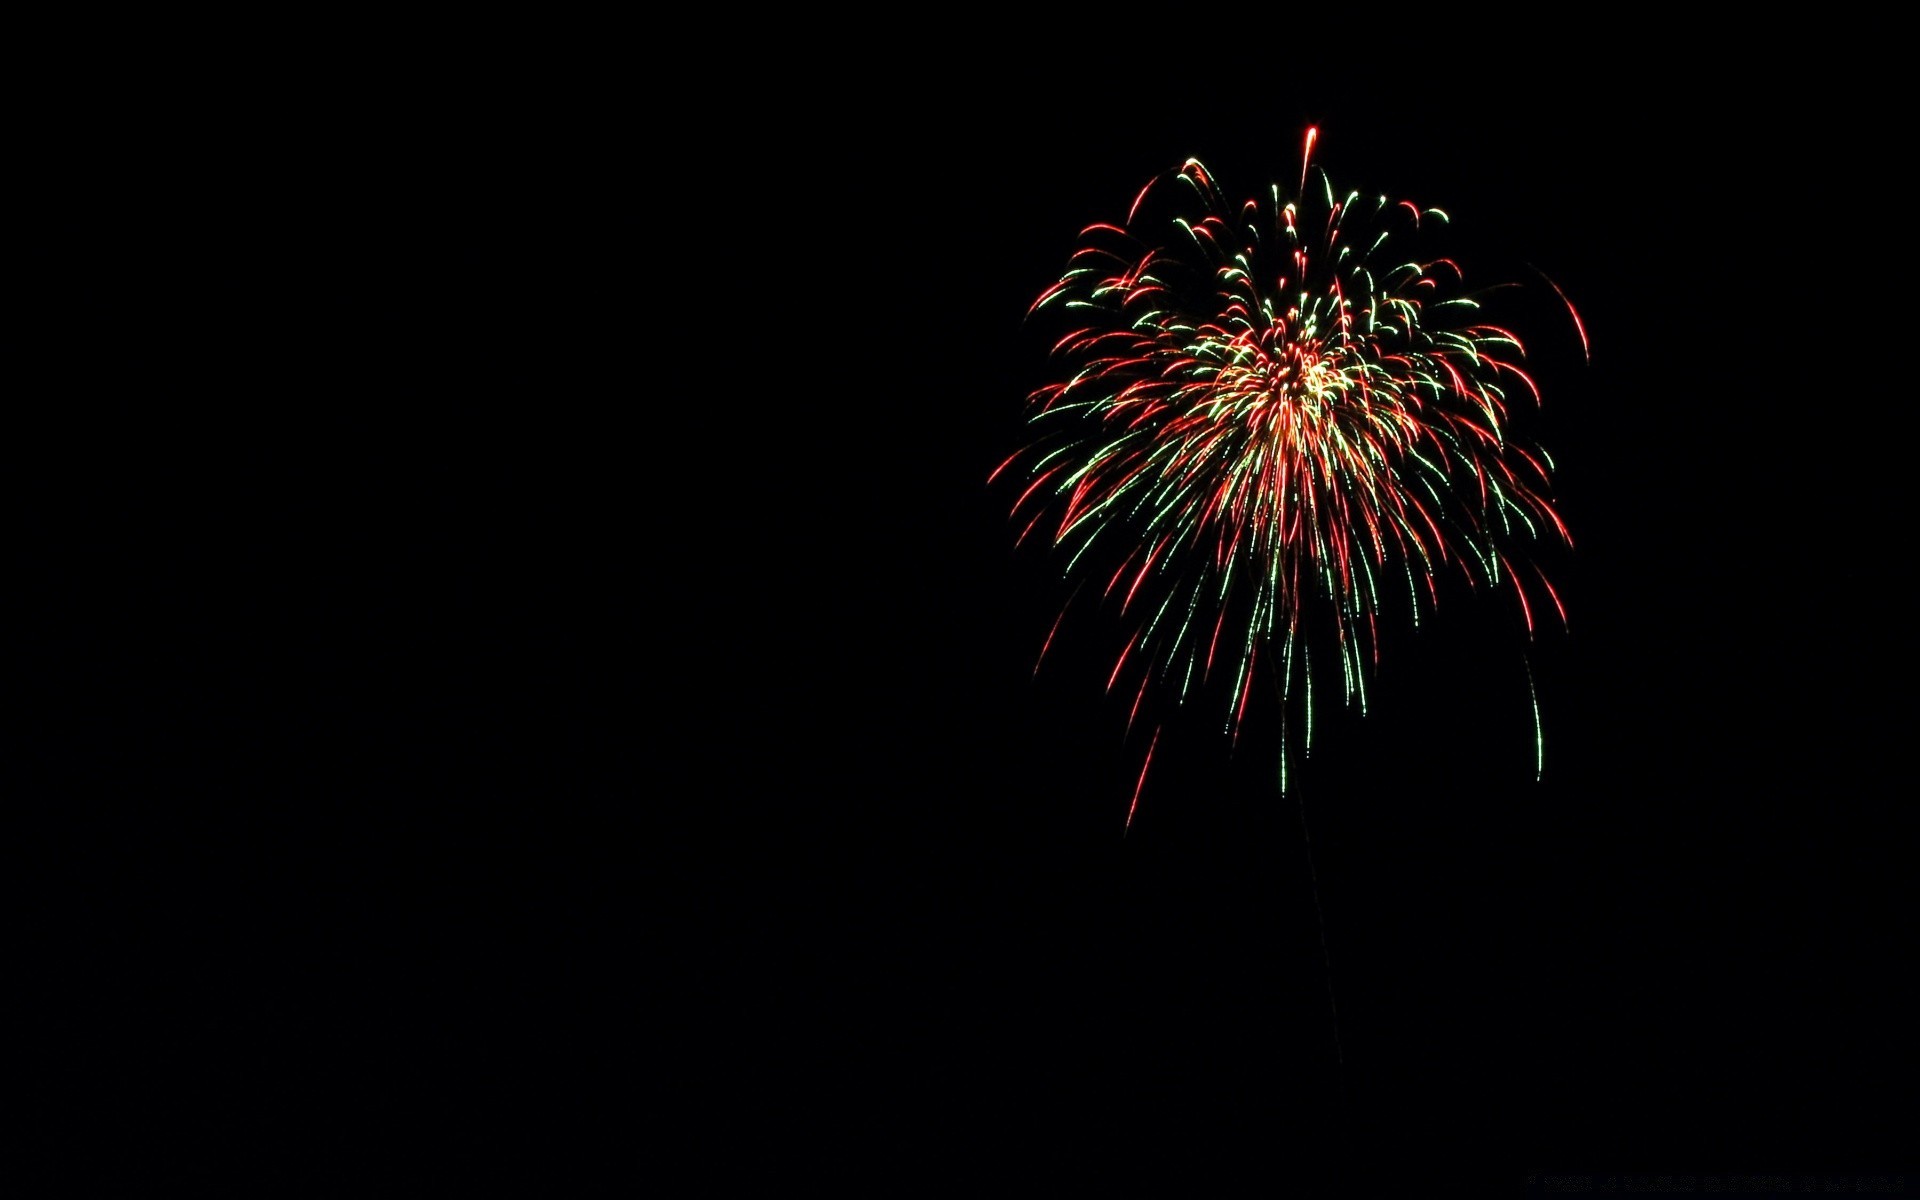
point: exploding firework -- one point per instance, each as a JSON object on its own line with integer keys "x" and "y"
{"x": 1273, "y": 423}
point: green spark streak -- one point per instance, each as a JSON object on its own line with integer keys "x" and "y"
{"x": 1040, "y": 466}
{"x": 1539, "y": 736}
{"x": 1155, "y": 623}
{"x": 1084, "y": 547}
{"x": 1347, "y": 669}
{"x": 1306, "y": 693}
{"x": 1371, "y": 601}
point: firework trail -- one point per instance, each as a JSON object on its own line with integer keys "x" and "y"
{"x": 1275, "y": 420}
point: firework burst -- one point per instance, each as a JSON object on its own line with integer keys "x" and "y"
{"x": 1276, "y": 419}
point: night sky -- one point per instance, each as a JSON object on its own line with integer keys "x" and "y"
{"x": 524, "y": 668}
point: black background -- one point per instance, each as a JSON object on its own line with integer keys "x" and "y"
{"x": 523, "y": 667}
